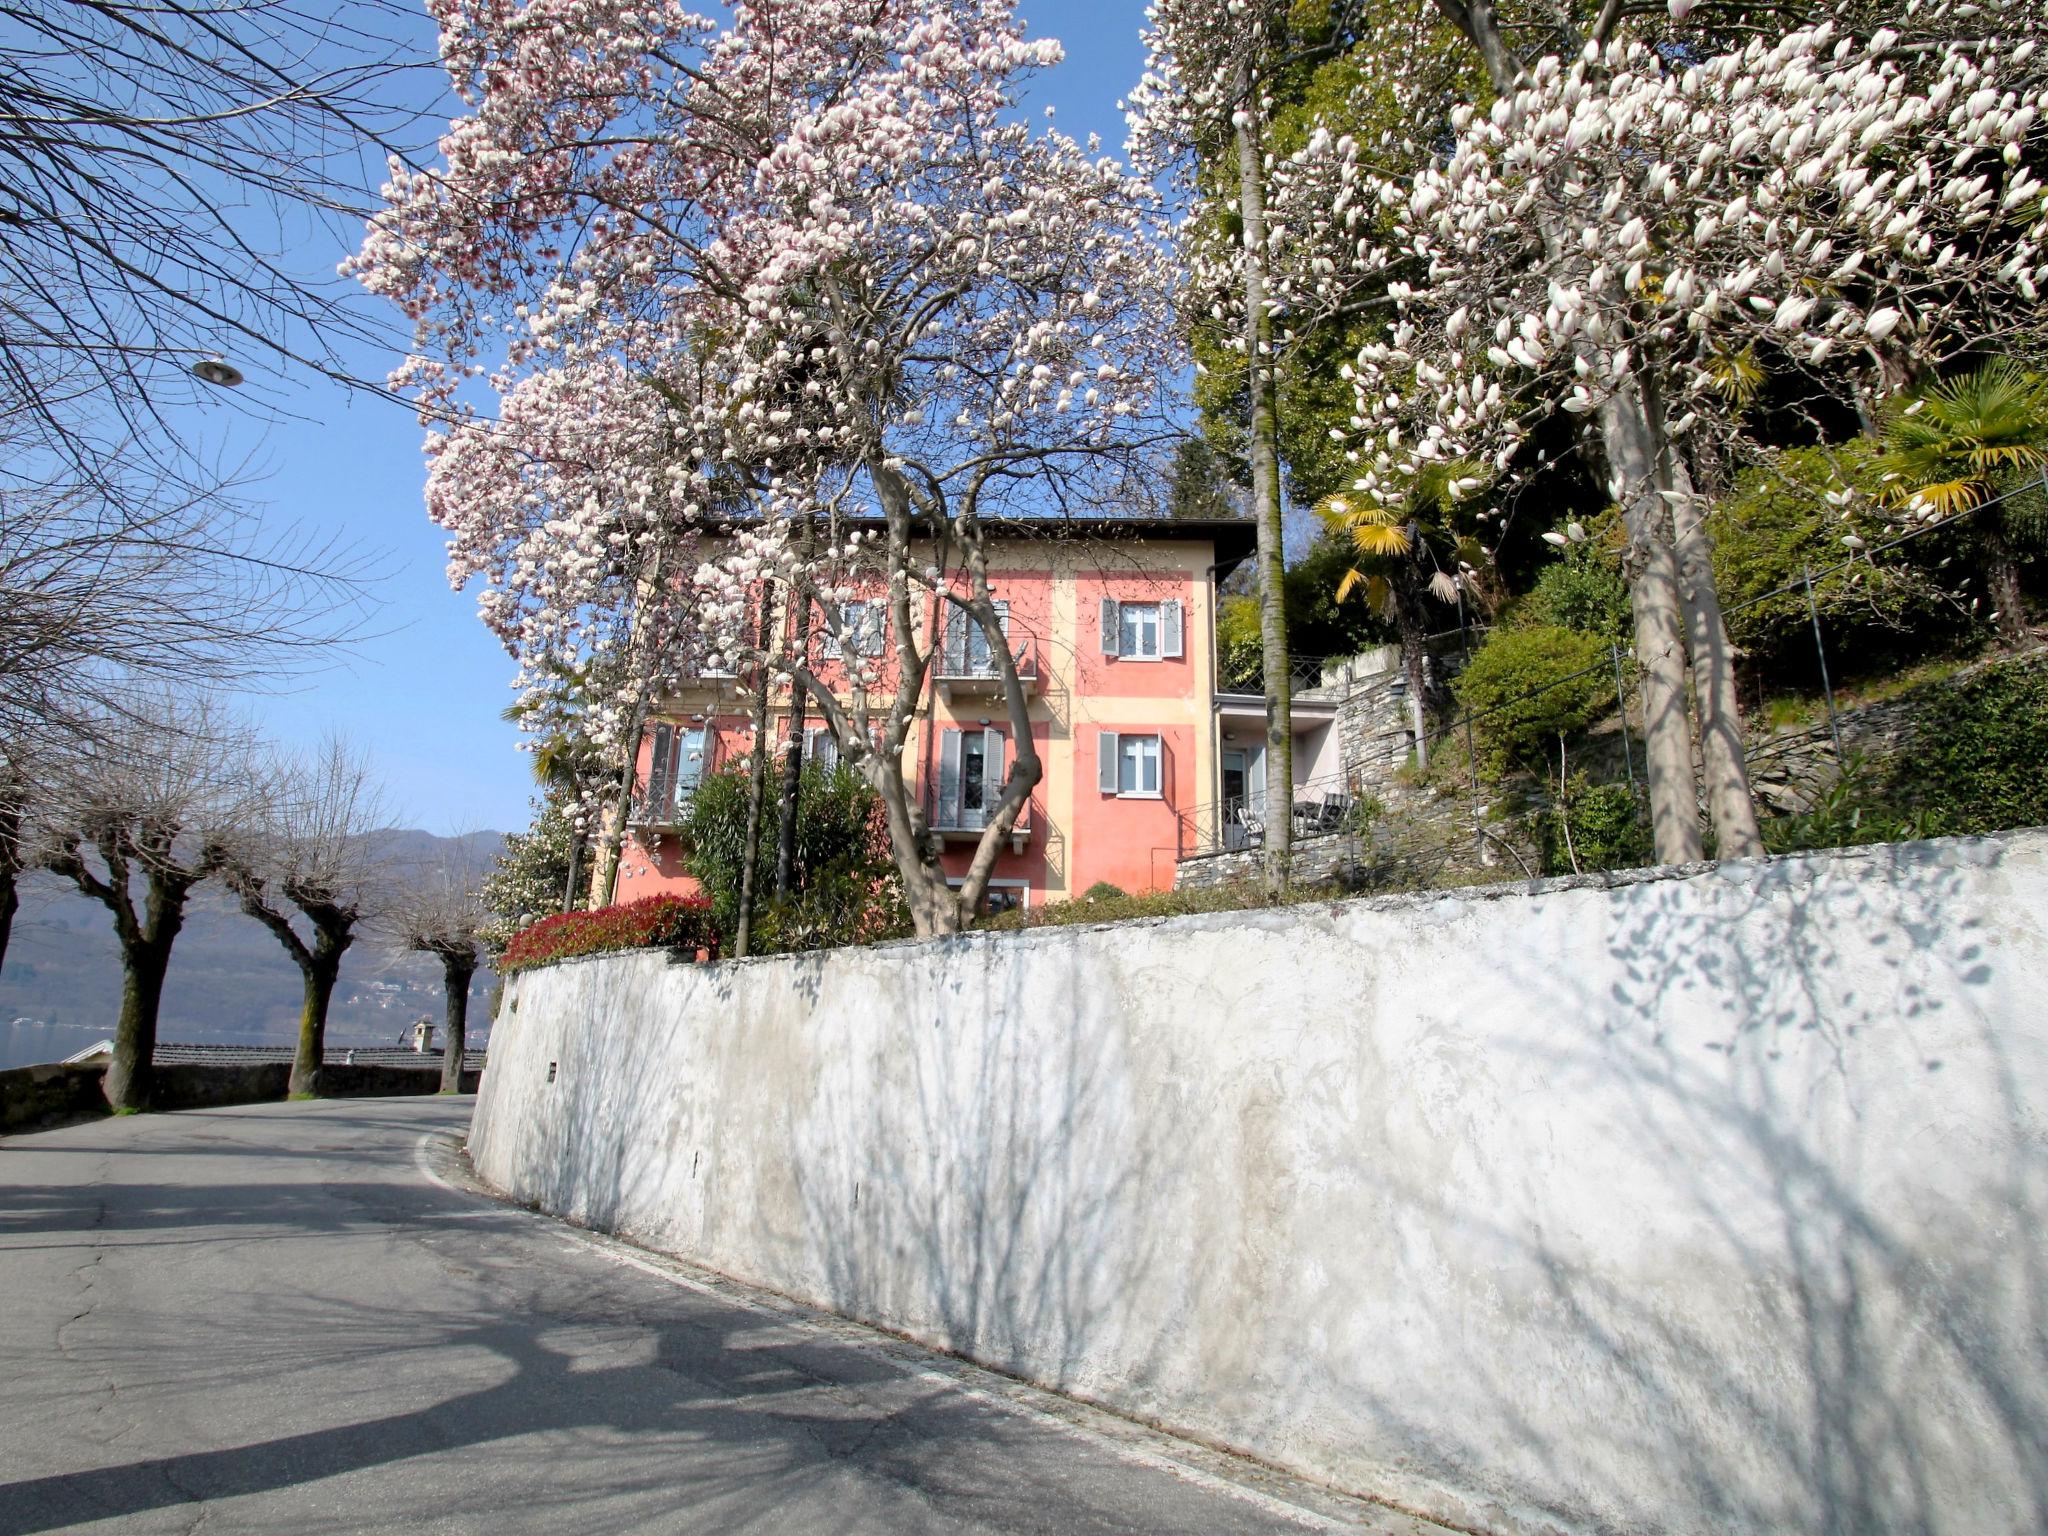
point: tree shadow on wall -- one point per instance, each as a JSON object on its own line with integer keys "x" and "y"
{"x": 1779, "y": 1268}
{"x": 980, "y": 1174}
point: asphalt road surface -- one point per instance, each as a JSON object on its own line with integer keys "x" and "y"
{"x": 297, "y": 1318}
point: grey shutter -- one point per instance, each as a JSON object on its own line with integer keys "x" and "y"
{"x": 1105, "y": 761}
{"x": 658, "y": 772}
{"x": 871, "y": 634}
{"x": 1165, "y": 769}
{"x": 1169, "y": 627}
{"x": 1111, "y": 621}
{"x": 955, "y": 660}
{"x": 949, "y": 780}
{"x": 993, "y": 772}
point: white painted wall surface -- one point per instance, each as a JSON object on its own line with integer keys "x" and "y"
{"x": 1705, "y": 1203}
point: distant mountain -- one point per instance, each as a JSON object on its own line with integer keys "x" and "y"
{"x": 230, "y": 983}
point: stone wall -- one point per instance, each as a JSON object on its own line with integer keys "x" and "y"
{"x": 1707, "y": 1201}
{"x": 34, "y": 1098}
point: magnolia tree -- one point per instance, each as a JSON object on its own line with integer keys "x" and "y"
{"x": 844, "y": 305}
{"x": 1634, "y": 233}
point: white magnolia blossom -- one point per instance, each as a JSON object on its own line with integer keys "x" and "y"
{"x": 1853, "y": 207}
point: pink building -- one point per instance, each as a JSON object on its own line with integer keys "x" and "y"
{"x": 1112, "y": 622}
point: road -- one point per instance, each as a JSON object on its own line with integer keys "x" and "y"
{"x": 296, "y": 1318}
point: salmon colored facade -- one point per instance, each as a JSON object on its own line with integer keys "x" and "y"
{"x": 1114, "y": 626}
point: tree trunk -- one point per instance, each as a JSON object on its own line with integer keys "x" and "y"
{"x": 316, "y": 991}
{"x": 757, "y": 790}
{"x": 10, "y": 903}
{"x": 1411, "y": 625}
{"x": 456, "y": 971}
{"x": 576, "y": 842}
{"x": 1266, "y": 508}
{"x": 11, "y": 812}
{"x": 793, "y": 754}
{"x": 130, "y": 1072}
{"x": 1731, "y": 805}
{"x": 2002, "y": 581}
{"x": 1652, "y": 568}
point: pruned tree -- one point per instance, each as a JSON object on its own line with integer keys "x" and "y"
{"x": 19, "y": 791}
{"x": 307, "y": 864}
{"x": 134, "y": 578}
{"x": 140, "y": 814}
{"x": 440, "y": 911}
{"x": 850, "y": 277}
{"x": 166, "y": 161}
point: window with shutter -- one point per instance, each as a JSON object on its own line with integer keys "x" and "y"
{"x": 1112, "y": 626}
{"x": 1138, "y": 766}
{"x": 994, "y": 767}
{"x": 949, "y": 780}
{"x": 658, "y": 771}
{"x": 954, "y": 662}
{"x": 1170, "y": 625}
{"x": 874, "y": 628}
{"x": 1106, "y": 756}
{"x": 689, "y": 765}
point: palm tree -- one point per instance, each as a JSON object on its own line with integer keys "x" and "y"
{"x": 1401, "y": 551}
{"x": 1965, "y": 443}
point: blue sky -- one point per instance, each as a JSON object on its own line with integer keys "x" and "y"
{"x": 423, "y": 690}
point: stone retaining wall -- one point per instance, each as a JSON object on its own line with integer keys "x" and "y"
{"x": 1705, "y": 1201}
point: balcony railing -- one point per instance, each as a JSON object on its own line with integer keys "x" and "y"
{"x": 969, "y": 671}
{"x": 965, "y": 824}
{"x": 650, "y": 813}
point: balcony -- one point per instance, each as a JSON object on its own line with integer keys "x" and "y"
{"x": 952, "y": 824}
{"x": 966, "y": 670}
{"x": 647, "y": 813}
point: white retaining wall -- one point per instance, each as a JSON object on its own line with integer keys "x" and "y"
{"x": 1706, "y": 1202}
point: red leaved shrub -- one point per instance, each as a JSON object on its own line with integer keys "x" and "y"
{"x": 653, "y": 922}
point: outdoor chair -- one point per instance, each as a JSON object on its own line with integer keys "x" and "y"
{"x": 1254, "y": 826}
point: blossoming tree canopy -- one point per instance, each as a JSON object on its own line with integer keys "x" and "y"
{"x": 1637, "y": 230}
{"x": 1854, "y": 208}
{"x": 786, "y": 275}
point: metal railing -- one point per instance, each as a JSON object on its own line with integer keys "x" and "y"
{"x": 958, "y": 664}
{"x": 1320, "y": 806}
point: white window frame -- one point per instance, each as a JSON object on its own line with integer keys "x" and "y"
{"x": 865, "y": 621}
{"x": 1007, "y": 883}
{"x": 818, "y": 736}
{"x": 1109, "y": 766}
{"x": 995, "y": 771}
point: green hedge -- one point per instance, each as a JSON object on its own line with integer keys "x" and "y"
{"x": 1978, "y": 761}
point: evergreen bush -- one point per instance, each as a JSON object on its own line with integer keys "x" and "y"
{"x": 1526, "y": 686}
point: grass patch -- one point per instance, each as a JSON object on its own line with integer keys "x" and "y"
{"x": 1237, "y": 896}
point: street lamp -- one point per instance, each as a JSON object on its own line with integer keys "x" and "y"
{"x": 212, "y": 370}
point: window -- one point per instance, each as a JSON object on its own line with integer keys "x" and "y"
{"x": 675, "y": 768}
{"x": 822, "y": 747}
{"x": 866, "y": 622}
{"x": 1142, "y": 631}
{"x": 1000, "y": 896}
{"x": 971, "y": 774}
{"x": 1130, "y": 765}
{"x": 966, "y": 652}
